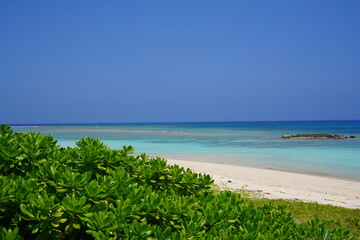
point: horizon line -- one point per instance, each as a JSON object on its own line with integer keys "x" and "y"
{"x": 168, "y": 122}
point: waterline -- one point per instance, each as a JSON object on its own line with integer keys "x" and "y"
{"x": 256, "y": 144}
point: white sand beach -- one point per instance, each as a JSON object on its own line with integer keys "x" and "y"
{"x": 280, "y": 184}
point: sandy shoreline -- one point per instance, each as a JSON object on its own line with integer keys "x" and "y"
{"x": 280, "y": 184}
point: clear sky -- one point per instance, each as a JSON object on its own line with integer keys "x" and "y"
{"x": 169, "y": 61}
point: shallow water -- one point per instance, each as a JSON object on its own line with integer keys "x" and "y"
{"x": 256, "y": 144}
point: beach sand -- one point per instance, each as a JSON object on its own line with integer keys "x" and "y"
{"x": 280, "y": 184}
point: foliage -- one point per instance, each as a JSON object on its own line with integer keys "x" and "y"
{"x": 93, "y": 192}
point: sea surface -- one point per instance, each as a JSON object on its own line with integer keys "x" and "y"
{"x": 255, "y": 144}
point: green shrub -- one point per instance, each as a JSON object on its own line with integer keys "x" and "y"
{"x": 93, "y": 192}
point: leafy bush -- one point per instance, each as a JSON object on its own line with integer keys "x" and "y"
{"x": 93, "y": 192}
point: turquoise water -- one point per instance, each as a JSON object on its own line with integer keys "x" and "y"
{"x": 255, "y": 144}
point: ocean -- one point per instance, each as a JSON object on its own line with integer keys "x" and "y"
{"x": 254, "y": 144}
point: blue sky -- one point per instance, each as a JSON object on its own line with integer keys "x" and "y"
{"x": 169, "y": 61}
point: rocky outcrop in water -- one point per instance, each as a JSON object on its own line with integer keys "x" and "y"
{"x": 315, "y": 136}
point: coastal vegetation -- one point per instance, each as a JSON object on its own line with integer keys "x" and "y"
{"x": 93, "y": 192}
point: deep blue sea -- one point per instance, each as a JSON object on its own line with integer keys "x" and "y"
{"x": 256, "y": 144}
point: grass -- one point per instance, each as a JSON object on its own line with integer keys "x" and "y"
{"x": 305, "y": 211}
